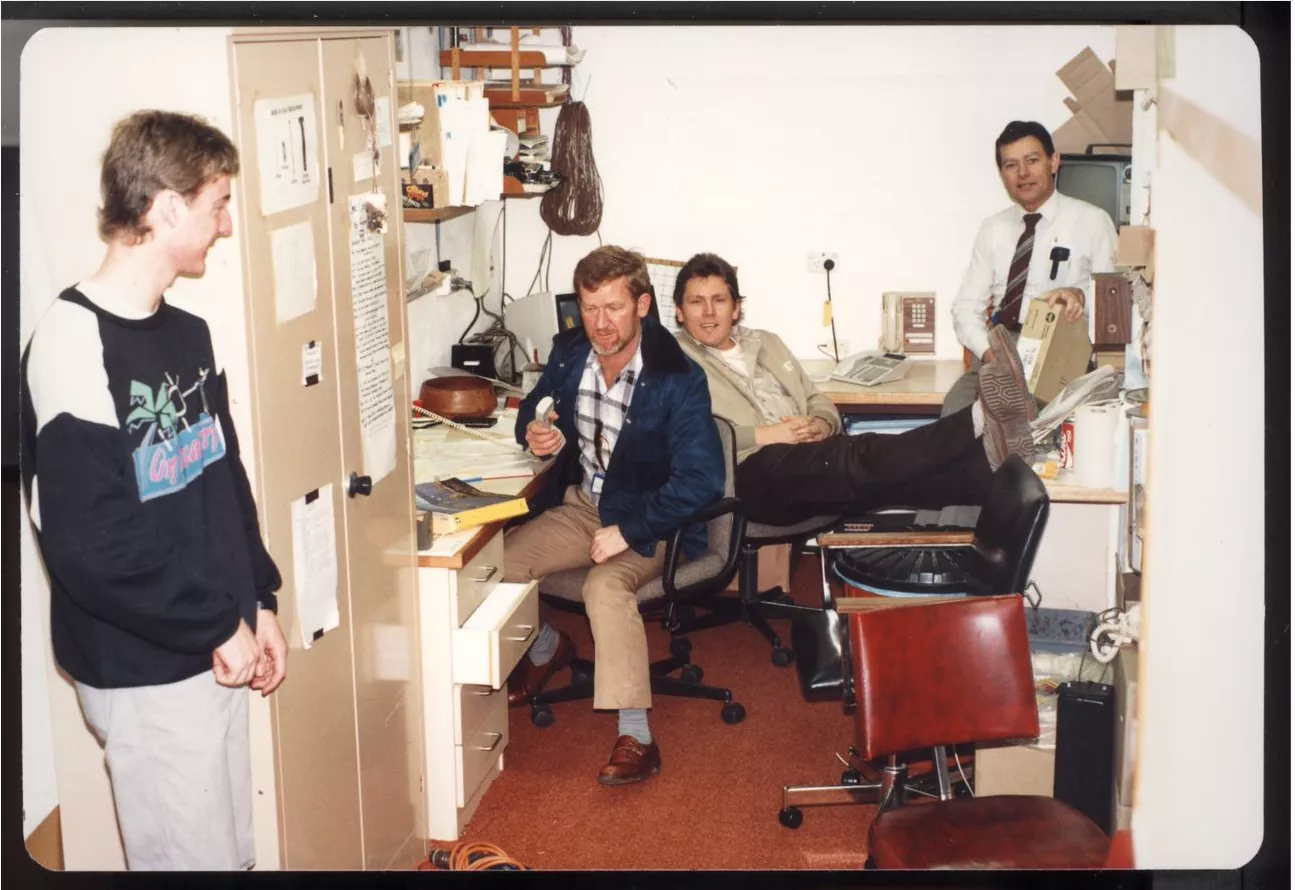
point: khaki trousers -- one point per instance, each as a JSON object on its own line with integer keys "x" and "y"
{"x": 559, "y": 539}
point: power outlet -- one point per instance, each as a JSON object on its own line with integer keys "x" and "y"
{"x": 814, "y": 260}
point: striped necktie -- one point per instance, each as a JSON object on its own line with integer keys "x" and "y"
{"x": 1010, "y": 309}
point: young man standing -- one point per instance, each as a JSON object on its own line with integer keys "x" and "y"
{"x": 1045, "y": 246}
{"x": 162, "y": 604}
{"x": 637, "y": 454}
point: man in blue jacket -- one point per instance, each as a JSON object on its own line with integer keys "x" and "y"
{"x": 637, "y": 453}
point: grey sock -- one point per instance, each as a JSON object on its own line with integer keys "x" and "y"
{"x": 545, "y": 645}
{"x": 633, "y": 722}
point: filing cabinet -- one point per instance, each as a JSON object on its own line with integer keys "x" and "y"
{"x": 473, "y": 629}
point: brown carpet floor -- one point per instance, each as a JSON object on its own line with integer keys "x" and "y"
{"x": 714, "y": 804}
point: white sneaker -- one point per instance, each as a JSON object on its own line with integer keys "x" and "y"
{"x": 1097, "y": 386}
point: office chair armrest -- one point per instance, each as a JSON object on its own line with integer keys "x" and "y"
{"x": 732, "y": 554}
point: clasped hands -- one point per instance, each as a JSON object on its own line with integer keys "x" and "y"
{"x": 259, "y": 660}
{"x": 793, "y": 430}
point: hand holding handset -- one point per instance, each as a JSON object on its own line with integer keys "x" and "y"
{"x": 542, "y": 410}
{"x": 543, "y": 439}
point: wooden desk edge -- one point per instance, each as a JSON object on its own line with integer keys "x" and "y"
{"x": 482, "y": 535}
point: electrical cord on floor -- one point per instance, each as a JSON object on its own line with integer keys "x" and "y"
{"x": 957, "y": 760}
{"x": 472, "y": 856}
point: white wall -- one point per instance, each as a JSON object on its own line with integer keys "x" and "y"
{"x": 76, "y": 83}
{"x": 1202, "y": 651}
{"x": 765, "y": 143}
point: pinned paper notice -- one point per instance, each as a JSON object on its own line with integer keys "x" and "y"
{"x": 364, "y": 167}
{"x": 312, "y": 363}
{"x": 292, "y": 253}
{"x": 314, "y": 564}
{"x": 372, "y": 344}
{"x": 288, "y": 151}
{"x": 382, "y": 114}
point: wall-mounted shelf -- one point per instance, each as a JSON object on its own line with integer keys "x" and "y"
{"x": 498, "y": 58}
{"x": 514, "y": 93}
{"x": 436, "y": 214}
{"x": 513, "y": 188}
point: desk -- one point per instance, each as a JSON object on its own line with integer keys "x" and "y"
{"x": 920, "y": 392}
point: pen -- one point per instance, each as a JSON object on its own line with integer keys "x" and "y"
{"x": 489, "y": 478}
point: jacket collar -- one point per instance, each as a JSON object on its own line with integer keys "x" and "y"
{"x": 661, "y": 352}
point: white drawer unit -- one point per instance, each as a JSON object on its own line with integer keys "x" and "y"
{"x": 470, "y": 585}
{"x": 482, "y": 747}
{"x": 474, "y": 628}
{"x": 489, "y": 644}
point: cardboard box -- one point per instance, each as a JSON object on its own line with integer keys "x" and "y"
{"x": 1004, "y": 768}
{"x": 427, "y": 188}
{"x": 1053, "y": 351}
{"x": 1100, "y": 116}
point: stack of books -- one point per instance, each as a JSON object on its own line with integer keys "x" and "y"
{"x": 454, "y": 505}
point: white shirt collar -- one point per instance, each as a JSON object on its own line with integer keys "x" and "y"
{"x": 1048, "y": 209}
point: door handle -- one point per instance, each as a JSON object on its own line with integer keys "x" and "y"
{"x": 530, "y": 631}
{"x": 358, "y": 484}
{"x": 499, "y": 737}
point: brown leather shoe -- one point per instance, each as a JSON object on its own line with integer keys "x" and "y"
{"x": 529, "y": 678}
{"x": 631, "y": 761}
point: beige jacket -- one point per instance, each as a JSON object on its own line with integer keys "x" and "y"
{"x": 732, "y": 396}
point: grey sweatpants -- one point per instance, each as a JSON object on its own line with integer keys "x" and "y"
{"x": 181, "y": 769}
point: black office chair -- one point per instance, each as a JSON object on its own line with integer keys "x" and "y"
{"x": 752, "y": 605}
{"x": 996, "y": 561}
{"x": 679, "y": 583}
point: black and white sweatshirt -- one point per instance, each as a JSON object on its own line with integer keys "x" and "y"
{"x": 142, "y": 509}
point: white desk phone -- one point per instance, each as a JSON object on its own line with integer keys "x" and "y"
{"x": 870, "y": 368}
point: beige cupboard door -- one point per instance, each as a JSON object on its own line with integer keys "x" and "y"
{"x": 348, "y": 786}
{"x": 370, "y": 325}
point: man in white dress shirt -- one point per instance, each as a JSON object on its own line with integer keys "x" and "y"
{"x": 1071, "y": 239}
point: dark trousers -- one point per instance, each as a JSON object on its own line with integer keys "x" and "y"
{"x": 933, "y": 466}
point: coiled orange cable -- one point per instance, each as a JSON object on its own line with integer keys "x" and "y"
{"x": 471, "y": 856}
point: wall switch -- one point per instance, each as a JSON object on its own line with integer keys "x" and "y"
{"x": 814, "y": 260}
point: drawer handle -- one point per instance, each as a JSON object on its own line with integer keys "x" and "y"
{"x": 530, "y": 632}
{"x": 479, "y": 692}
{"x": 499, "y": 737}
{"x": 489, "y": 573}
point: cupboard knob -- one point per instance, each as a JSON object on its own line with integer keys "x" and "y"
{"x": 358, "y": 484}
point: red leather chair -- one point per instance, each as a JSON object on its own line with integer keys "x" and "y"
{"x": 941, "y": 673}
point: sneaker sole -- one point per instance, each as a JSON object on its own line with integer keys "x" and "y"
{"x": 1002, "y": 346}
{"x": 1003, "y": 395}
{"x": 1002, "y": 440}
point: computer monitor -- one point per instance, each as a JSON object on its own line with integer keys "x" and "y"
{"x": 568, "y": 308}
{"x": 1103, "y": 180}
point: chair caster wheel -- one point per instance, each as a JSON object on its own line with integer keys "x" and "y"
{"x": 791, "y": 817}
{"x": 680, "y": 647}
{"x": 691, "y": 674}
{"x": 684, "y": 616}
{"x": 581, "y": 678}
{"x": 541, "y": 715}
{"x": 732, "y": 713}
{"x": 852, "y": 777}
{"x": 782, "y": 656}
